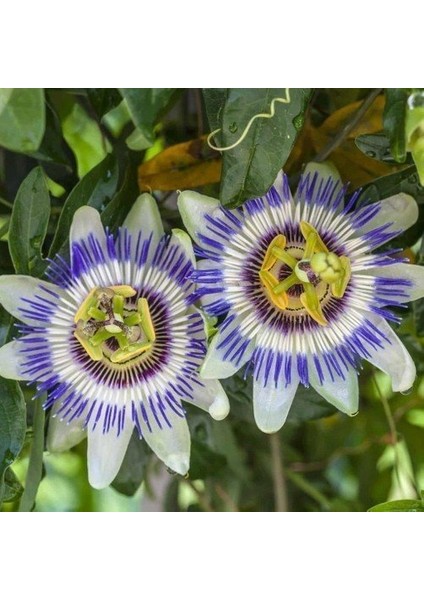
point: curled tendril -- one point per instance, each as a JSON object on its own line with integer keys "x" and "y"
{"x": 269, "y": 115}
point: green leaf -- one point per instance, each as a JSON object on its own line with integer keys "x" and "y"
{"x": 406, "y": 181}
{"x": 22, "y": 119}
{"x": 146, "y": 106}
{"x": 95, "y": 189}
{"x": 103, "y": 100}
{"x": 12, "y": 487}
{"x": 309, "y": 405}
{"x": 53, "y": 148}
{"x": 375, "y": 145}
{"x": 204, "y": 461}
{"x": 394, "y": 121}
{"x": 12, "y": 426}
{"x": 133, "y": 468}
{"x": 28, "y": 224}
{"x": 118, "y": 208}
{"x": 250, "y": 168}
{"x": 399, "y": 506}
{"x": 81, "y": 132}
{"x": 35, "y": 467}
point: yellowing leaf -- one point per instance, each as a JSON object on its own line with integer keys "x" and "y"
{"x": 353, "y": 165}
{"x": 187, "y": 165}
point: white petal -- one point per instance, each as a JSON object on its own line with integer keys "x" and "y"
{"x": 181, "y": 238}
{"x": 414, "y": 274}
{"x": 106, "y": 452}
{"x": 393, "y": 359}
{"x": 322, "y": 171}
{"x": 15, "y": 287}
{"x": 86, "y": 223}
{"x": 144, "y": 216}
{"x": 218, "y": 364}
{"x": 211, "y": 396}
{"x": 341, "y": 393}
{"x": 10, "y": 361}
{"x": 193, "y": 207}
{"x": 170, "y": 444}
{"x": 61, "y": 435}
{"x": 271, "y": 403}
{"x": 400, "y": 210}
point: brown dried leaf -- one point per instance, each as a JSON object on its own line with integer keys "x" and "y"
{"x": 187, "y": 165}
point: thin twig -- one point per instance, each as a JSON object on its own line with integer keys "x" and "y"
{"x": 6, "y": 202}
{"x": 278, "y": 476}
{"x": 203, "y": 501}
{"x": 394, "y": 439}
{"x": 225, "y": 497}
{"x": 349, "y": 126}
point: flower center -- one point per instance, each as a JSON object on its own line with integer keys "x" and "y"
{"x": 107, "y": 324}
{"x": 310, "y": 267}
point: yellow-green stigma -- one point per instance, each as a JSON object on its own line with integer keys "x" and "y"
{"x": 106, "y": 314}
{"x": 312, "y": 267}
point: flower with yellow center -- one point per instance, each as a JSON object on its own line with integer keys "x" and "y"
{"x": 302, "y": 296}
{"x": 114, "y": 341}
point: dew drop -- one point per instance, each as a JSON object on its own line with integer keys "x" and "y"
{"x": 371, "y": 153}
{"x": 233, "y": 127}
{"x": 416, "y": 100}
{"x": 298, "y": 122}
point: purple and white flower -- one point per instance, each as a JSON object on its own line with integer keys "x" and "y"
{"x": 303, "y": 295}
{"x": 114, "y": 341}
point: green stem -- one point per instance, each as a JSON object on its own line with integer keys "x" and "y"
{"x": 6, "y": 202}
{"x": 393, "y": 434}
{"x": 309, "y": 489}
{"x": 278, "y": 474}
{"x": 349, "y": 126}
{"x": 35, "y": 467}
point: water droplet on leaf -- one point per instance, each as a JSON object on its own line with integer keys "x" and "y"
{"x": 233, "y": 127}
{"x": 415, "y": 100}
{"x": 371, "y": 153}
{"x": 298, "y": 122}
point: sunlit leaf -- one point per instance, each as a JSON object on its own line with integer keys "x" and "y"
{"x": 81, "y": 132}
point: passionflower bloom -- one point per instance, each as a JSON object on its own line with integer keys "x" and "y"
{"x": 304, "y": 297}
{"x": 114, "y": 341}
